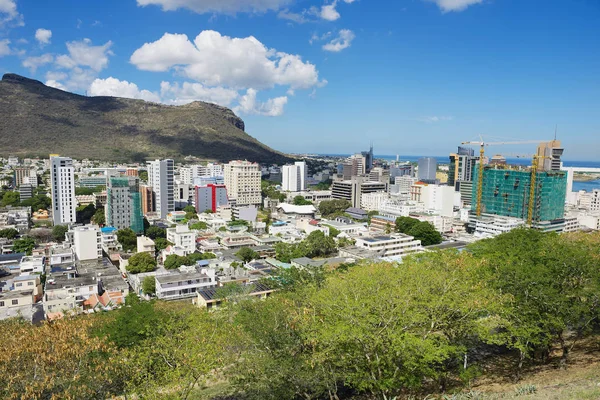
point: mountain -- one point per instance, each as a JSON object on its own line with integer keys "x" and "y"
{"x": 37, "y": 120}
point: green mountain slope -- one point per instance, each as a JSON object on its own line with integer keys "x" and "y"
{"x": 36, "y": 120}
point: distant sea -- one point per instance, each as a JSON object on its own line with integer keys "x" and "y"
{"x": 577, "y": 186}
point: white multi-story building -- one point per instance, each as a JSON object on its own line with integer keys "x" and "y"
{"x": 86, "y": 241}
{"x": 439, "y": 198}
{"x": 493, "y": 225}
{"x": 182, "y": 236}
{"x": 393, "y": 245}
{"x": 62, "y": 175}
{"x": 595, "y": 200}
{"x": 161, "y": 178}
{"x": 293, "y": 177}
{"x": 393, "y": 208}
{"x": 314, "y": 196}
{"x": 242, "y": 179}
{"x": 186, "y": 175}
{"x": 372, "y": 201}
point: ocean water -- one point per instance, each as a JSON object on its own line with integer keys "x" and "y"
{"x": 587, "y": 186}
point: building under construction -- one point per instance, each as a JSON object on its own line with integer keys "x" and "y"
{"x": 506, "y": 192}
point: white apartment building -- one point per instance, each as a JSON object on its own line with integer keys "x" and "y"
{"x": 372, "y": 201}
{"x": 62, "y": 176}
{"x": 182, "y": 236}
{"x": 86, "y": 242}
{"x": 595, "y": 200}
{"x": 315, "y": 196}
{"x": 184, "y": 283}
{"x": 393, "y": 245}
{"x": 493, "y": 225}
{"x": 242, "y": 179}
{"x": 439, "y": 198}
{"x": 393, "y": 208}
{"x": 145, "y": 245}
{"x": 161, "y": 178}
{"x": 293, "y": 177}
{"x": 186, "y": 176}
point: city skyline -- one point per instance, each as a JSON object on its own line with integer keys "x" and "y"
{"x": 418, "y": 76}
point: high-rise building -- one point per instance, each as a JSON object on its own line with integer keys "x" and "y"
{"x": 25, "y": 176}
{"x": 550, "y": 154}
{"x": 294, "y": 177}
{"x": 62, "y": 177}
{"x": 186, "y": 176}
{"x": 461, "y": 167}
{"x": 353, "y": 189}
{"x": 379, "y": 174}
{"x": 368, "y": 157}
{"x": 506, "y": 193}
{"x": 427, "y": 169}
{"x": 242, "y": 179}
{"x": 124, "y": 204}
{"x": 210, "y": 197}
{"x": 161, "y": 178}
{"x": 147, "y": 197}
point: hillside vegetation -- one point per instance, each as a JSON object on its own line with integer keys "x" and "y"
{"x": 37, "y": 120}
{"x": 438, "y": 324}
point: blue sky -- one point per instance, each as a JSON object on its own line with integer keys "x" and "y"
{"x": 416, "y": 77}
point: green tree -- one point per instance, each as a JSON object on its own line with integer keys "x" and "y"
{"x": 143, "y": 176}
{"x": 405, "y": 224}
{"x": 149, "y": 285}
{"x": 161, "y": 243}
{"x": 141, "y": 262}
{"x": 319, "y": 245}
{"x": 99, "y": 218}
{"x": 154, "y": 232}
{"x": 189, "y": 209}
{"x": 9, "y": 233}
{"x": 38, "y": 202}
{"x": 246, "y": 254}
{"x": 85, "y": 213}
{"x": 24, "y": 245}
{"x": 200, "y": 225}
{"x": 173, "y": 261}
{"x": 127, "y": 238}
{"x": 194, "y": 257}
{"x": 426, "y": 233}
{"x": 332, "y": 207}
{"x": 58, "y": 232}
{"x": 301, "y": 201}
{"x": 10, "y": 199}
{"x": 333, "y": 232}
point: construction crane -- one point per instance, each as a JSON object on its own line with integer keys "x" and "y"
{"x": 482, "y": 145}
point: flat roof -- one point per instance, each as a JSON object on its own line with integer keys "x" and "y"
{"x": 178, "y": 277}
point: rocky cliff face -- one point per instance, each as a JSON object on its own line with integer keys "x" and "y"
{"x": 36, "y": 120}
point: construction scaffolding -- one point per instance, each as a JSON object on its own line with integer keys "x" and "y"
{"x": 507, "y": 192}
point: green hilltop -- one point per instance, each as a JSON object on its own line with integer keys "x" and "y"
{"x": 37, "y": 120}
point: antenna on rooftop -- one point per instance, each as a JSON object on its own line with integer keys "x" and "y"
{"x": 555, "y": 130}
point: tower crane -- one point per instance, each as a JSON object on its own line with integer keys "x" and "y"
{"x": 482, "y": 145}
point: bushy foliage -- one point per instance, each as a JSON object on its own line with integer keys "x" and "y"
{"x": 141, "y": 262}
{"x": 127, "y": 238}
{"x": 376, "y": 329}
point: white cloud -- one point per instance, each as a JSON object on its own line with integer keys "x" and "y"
{"x": 454, "y": 5}
{"x": 43, "y": 36}
{"x": 217, "y": 60}
{"x": 55, "y": 84}
{"x": 341, "y": 42}
{"x": 270, "y": 108}
{"x": 33, "y": 63}
{"x": 329, "y": 13}
{"x": 116, "y": 88}
{"x": 4, "y": 48}
{"x": 188, "y": 92}
{"x": 8, "y": 13}
{"x": 83, "y": 63}
{"x": 84, "y": 54}
{"x": 219, "y": 6}
{"x": 434, "y": 119}
{"x": 299, "y": 18}
{"x": 55, "y": 76}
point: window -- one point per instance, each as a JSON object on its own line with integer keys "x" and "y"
{"x": 15, "y": 302}
{"x": 1, "y": 304}
{"x": 29, "y": 283}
